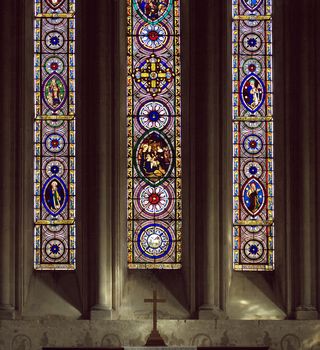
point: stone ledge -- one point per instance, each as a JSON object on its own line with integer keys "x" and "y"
{"x": 277, "y": 335}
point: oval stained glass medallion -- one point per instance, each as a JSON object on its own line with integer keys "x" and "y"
{"x": 253, "y": 196}
{"x": 252, "y": 93}
{"x": 154, "y": 157}
{"x": 54, "y": 195}
{"x": 54, "y": 92}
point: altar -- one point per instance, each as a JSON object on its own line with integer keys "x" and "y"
{"x": 155, "y": 340}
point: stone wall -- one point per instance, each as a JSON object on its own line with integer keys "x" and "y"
{"x": 280, "y": 335}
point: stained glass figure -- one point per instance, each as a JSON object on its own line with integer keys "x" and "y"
{"x": 54, "y": 135}
{"x": 154, "y": 134}
{"x": 253, "y": 185}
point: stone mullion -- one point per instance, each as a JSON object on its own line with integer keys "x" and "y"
{"x": 306, "y": 303}
{"x": 283, "y": 239}
{"x": 205, "y": 95}
{"x": 9, "y": 99}
{"x": 99, "y": 109}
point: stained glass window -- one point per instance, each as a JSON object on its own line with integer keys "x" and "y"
{"x": 253, "y": 186}
{"x": 54, "y": 135}
{"x": 154, "y": 134}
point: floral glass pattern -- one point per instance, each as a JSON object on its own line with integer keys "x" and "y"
{"x": 154, "y": 134}
{"x": 54, "y": 135}
{"x": 253, "y": 166}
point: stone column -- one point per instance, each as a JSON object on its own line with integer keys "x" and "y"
{"x": 303, "y": 140}
{"x": 282, "y": 153}
{"x": 206, "y": 26}
{"x": 8, "y": 104}
{"x": 307, "y": 308}
{"x": 188, "y": 161}
{"x": 120, "y": 150}
{"x": 97, "y": 102}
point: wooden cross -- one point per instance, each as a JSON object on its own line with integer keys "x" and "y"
{"x": 155, "y": 338}
{"x": 155, "y": 301}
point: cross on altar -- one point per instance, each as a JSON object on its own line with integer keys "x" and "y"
{"x": 152, "y": 76}
{"x": 154, "y": 338}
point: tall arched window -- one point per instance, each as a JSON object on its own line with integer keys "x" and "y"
{"x": 253, "y": 187}
{"x": 154, "y": 134}
{"x": 54, "y": 135}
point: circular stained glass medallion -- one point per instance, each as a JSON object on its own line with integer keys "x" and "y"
{"x": 153, "y": 114}
{"x": 252, "y": 65}
{"x": 252, "y": 42}
{"x": 54, "y": 64}
{"x": 54, "y": 40}
{"x": 55, "y": 143}
{"x": 154, "y": 200}
{"x": 54, "y": 167}
{"x": 55, "y": 249}
{"x": 253, "y": 144}
{"x": 153, "y": 36}
{"x": 253, "y": 249}
{"x": 252, "y": 169}
{"x": 154, "y": 241}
